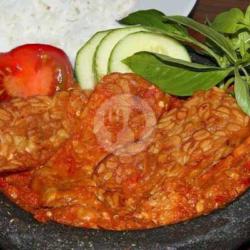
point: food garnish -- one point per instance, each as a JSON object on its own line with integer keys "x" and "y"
{"x": 227, "y": 44}
{"x": 84, "y": 70}
{"x": 105, "y": 50}
{"x": 105, "y": 47}
{"x": 144, "y": 41}
{"x": 34, "y": 69}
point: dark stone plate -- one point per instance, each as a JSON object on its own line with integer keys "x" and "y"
{"x": 227, "y": 228}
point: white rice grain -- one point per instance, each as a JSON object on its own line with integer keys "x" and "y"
{"x": 63, "y": 23}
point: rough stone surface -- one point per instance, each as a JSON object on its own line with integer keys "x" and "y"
{"x": 227, "y": 228}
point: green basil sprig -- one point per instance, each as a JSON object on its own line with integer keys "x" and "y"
{"x": 227, "y": 42}
{"x": 229, "y": 22}
{"x": 208, "y": 32}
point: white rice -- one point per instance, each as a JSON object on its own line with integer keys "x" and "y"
{"x": 63, "y": 23}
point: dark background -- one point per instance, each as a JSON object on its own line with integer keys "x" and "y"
{"x": 210, "y": 8}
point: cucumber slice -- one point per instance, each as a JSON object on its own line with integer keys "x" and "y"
{"x": 105, "y": 47}
{"x": 84, "y": 68}
{"x": 144, "y": 41}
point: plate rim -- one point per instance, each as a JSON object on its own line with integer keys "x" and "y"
{"x": 188, "y": 9}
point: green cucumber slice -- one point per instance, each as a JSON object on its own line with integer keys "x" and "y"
{"x": 105, "y": 47}
{"x": 84, "y": 68}
{"x": 144, "y": 41}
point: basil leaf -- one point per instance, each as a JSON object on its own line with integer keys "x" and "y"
{"x": 229, "y": 21}
{"x": 247, "y": 16}
{"x": 154, "y": 19}
{"x": 130, "y": 19}
{"x": 174, "y": 79}
{"x": 182, "y": 63}
{"x": 241, "y": 42}
{"x": 244, "y": 47}
{"x": 210, "y": 33}
{"x": 241, "y": 90}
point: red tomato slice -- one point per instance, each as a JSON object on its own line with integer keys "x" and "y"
{"x": 34, "y": 69}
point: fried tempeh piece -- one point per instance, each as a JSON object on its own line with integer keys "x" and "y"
{"x": 32, "y": 129}
{"x": 138, "y": 104}
{"x": 199, "y": 133}
{"x": 164, "y": 184}
{"x": 196, "y": 163}
{"x": 113, "y": 85}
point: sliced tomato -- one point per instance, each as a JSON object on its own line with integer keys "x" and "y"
{"x": 34, "y": 69}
